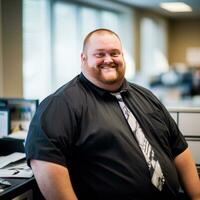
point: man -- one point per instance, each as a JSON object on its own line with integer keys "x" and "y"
{"x": 81, "y": 144}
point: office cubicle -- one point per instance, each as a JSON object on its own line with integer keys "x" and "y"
{"x": 188, "y": 121}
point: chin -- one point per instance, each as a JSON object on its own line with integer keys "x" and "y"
{"x": 111, "y": 81}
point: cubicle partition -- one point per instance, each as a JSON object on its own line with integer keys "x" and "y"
{"x": 188, "y": 121}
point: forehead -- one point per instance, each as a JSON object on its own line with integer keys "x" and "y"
{"x": 103, "y": 41}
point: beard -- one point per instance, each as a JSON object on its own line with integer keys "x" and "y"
{"x": 109, "y": 74}
{"x": 106, "y": 74}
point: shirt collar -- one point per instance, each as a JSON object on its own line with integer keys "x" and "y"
{"x": 124, "y": 88}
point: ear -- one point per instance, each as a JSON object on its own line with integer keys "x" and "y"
{"x": 83, "y": 57}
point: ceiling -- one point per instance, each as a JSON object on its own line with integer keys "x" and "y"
{"x": 153, "y": 5}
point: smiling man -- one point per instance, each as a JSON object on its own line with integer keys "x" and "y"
{"x": 100, "y": 137}
{"x": 102, "y": 60}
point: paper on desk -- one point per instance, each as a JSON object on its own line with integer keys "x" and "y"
{"x": 15, "y": 166}
{"x": 5, "y": 160}
{"x": 16, "y": 173}
{"x": 18, "y": 165}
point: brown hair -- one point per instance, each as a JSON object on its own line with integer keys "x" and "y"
{"x": 100, "y": 30}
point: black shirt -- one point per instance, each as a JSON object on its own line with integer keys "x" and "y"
{"x": 82, "y": 127}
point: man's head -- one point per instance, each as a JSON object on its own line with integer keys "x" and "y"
{"x": 102, "y": 59}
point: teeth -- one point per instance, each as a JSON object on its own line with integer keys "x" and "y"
{"x": 110, "y": 66}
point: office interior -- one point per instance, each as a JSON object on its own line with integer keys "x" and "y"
{"x": 177, "y": 85}
{"x": 180, "y": 35}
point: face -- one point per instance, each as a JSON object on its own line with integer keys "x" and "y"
{"x": 102, "y": 61}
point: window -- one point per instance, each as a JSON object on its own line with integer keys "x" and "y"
{"x": 65, "y": 55}
{"x": 53, "y": 32}
{"x": 36, "y": 49}
{"x": 153, "y": 47}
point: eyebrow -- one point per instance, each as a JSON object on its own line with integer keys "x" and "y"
{"x": 109, "y": 50}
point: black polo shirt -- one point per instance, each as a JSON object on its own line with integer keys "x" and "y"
{"x": 82, "y": 127}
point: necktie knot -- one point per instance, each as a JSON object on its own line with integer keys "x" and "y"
{"x": 118, "y": 96}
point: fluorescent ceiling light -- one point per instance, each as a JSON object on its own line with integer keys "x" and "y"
{"x": 176, "y": 7}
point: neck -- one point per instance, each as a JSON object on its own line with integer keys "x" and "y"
{"x": 111, "y": 87}
{"x": 114, "y": 87}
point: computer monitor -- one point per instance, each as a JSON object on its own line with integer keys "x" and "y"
{"x": 4, "y": 121}
{"x": 21, "y": 112}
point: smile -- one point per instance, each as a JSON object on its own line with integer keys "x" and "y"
{"x": 108, "y": 66}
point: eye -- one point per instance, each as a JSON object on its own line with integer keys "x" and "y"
{"x": 99, "y": 55}
{"x": 115, "y": 54}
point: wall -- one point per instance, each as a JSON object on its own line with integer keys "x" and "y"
{"x": 11, "y": 33}
{"x": 1, "y": 62}
{"x": 183, "y": 33}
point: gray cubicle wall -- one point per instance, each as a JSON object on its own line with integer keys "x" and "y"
{"x": 188, "y": 121}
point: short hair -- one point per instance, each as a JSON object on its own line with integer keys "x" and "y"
{"x": 96, "y": 31}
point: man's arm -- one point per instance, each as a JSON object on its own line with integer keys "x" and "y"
{"x": 53, "y": 180}
{"x": 188, "y": 174}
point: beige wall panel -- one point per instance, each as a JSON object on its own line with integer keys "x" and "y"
{"x": 183, "y": 33}
{"x": 1, "y": 61}
{"x": 12, "y": 47}
{"x": 189, "y": 123}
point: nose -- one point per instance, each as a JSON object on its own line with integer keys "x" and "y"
{"x": 108, "y": 59}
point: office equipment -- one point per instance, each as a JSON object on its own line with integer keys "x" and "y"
{"x": 4, "y": 122}
{"x": 21, "y": 112}
{"x": 4, "y": 183}
{"x": 21, "y": 188}
{"x": 10, "y": 145}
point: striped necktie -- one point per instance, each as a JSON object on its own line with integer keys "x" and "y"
{"x": 157, "y": 177}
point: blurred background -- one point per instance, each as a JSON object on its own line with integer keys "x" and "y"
{"x": 41, "y": 42}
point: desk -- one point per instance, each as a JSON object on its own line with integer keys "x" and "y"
{"x": 20, "y": 186}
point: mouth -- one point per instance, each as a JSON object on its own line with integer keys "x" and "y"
{"x": 108, "y": 66}
{"x": 109, "y": 70}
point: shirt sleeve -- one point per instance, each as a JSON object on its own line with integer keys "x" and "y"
{"x": 51, "y": 132}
